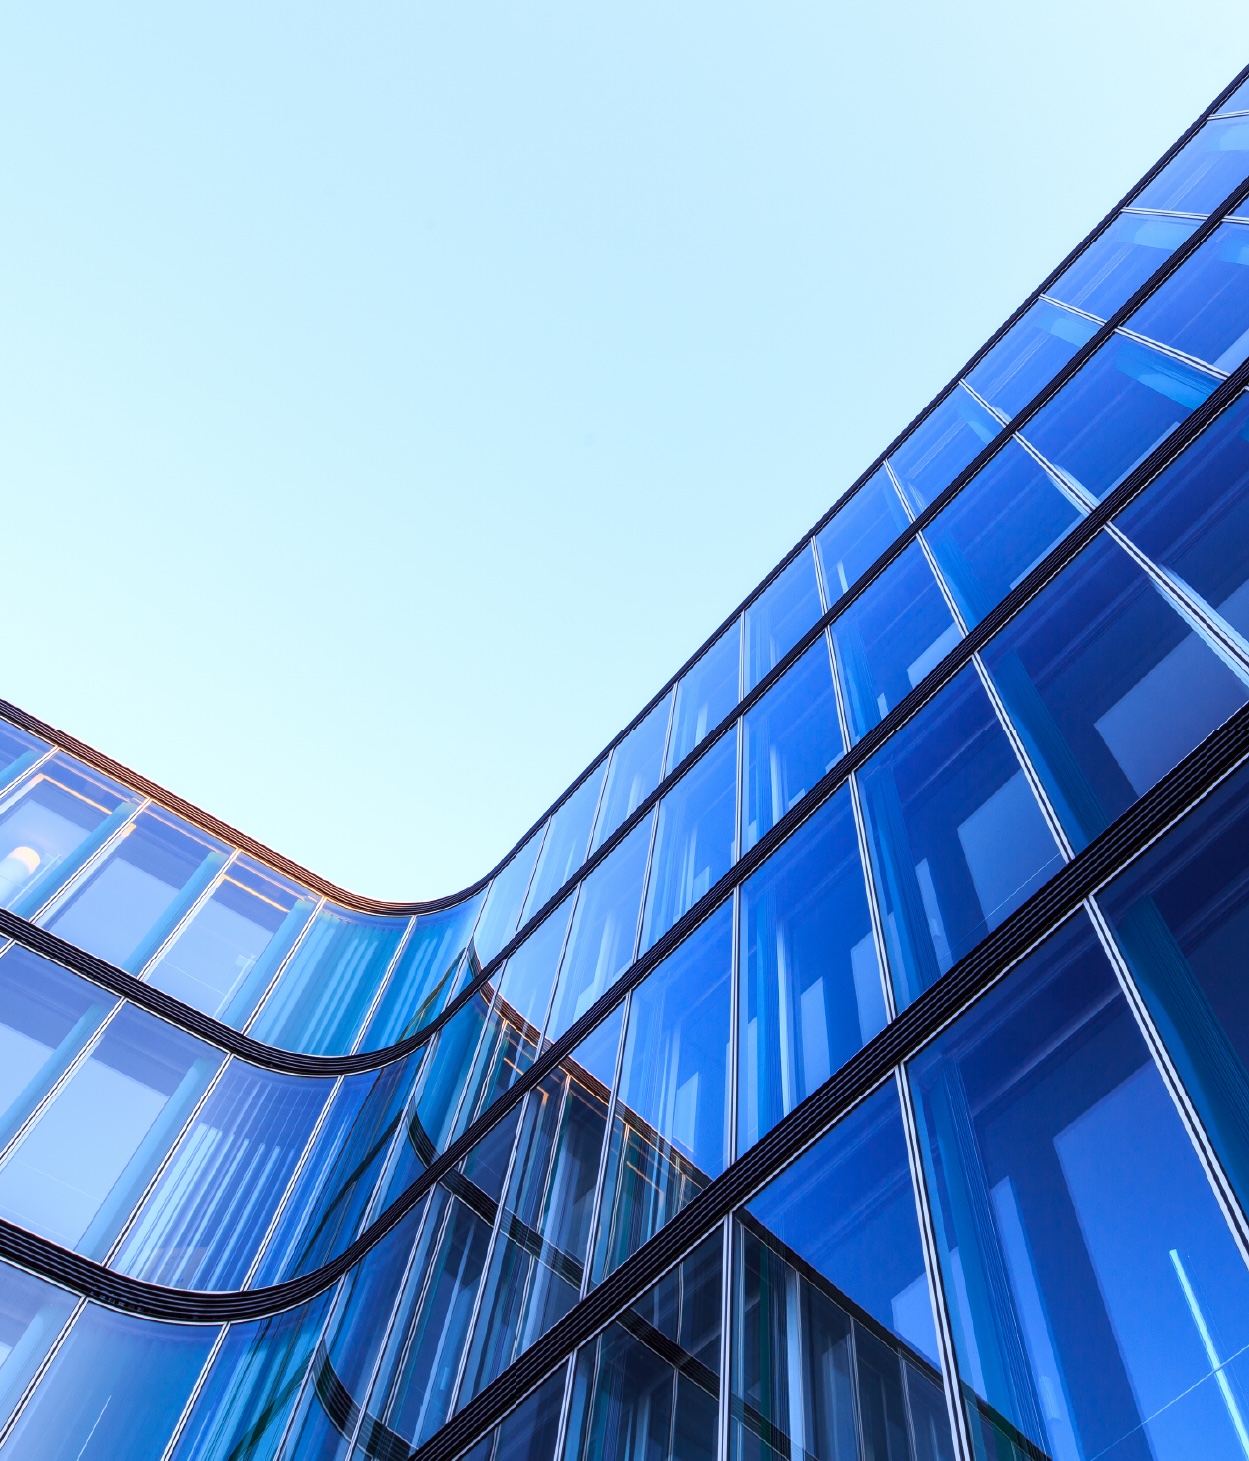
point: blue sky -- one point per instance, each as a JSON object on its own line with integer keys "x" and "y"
{"x": 392, "y": 396}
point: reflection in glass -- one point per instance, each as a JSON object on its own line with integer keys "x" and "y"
{"x": 1203, "y": 308}
{"x": 941, "y": 446}
{"x": 862, "y": 529}
{"x": 706, "y": 693}
{"x": 780, "y": 616}
{"x": 566, "y": 841}
{"x": 1204, "y": 172}
{"x": 634, "y": 772}
{"x": 525, "y": 987}
{"x": 529, "y": 1432}
{"x": 501, "y": 912}
{"x": 1119, "y": 260}
{"x": 19, "y": 750}
{"x": 1029, "y": 356}
{"x": 32, "y": 1314}
{"x": 426, "y": 975}
{"x": 957, "y": 839}
{"x": 810, "y": 992}
{"x": 1092, "y": 1280}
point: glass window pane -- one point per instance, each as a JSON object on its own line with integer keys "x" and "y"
{"x": 941, "y": 446}
{"x": 202, "y": 1223}
{"x": 998, "y": 529}
{"x": 129, "y": 902}
{"x": 19, "y": 750}
{"x": 791, "y": 738}
{"x": 669, "y": 1136}
{"x": 1114, "y": 411}
{"x": 811, "y": 990}
{"x": 77, "y": 1172}
{"x": 860, "y": 532}
{"x": 1088, "y": 1269}
{"x": 958, "y": 841}
{"x": 1029, "y": 356}
{"x": 116, "y": 1388}
{"x": 705, "y": 695}
{"x": 780, "y": 616}
{"x": 505, "y": 899}
{"x": 890, "y": 637}
{"x": 694, "y": 842}
{"x": 604, "y": 930}
{"x": 426, "y": 976}
{"x": 1108, "y": 686}
{"x": 450, "y": 1078}
{"x": 567, "y": 838}
{"x": 1203, "y": 308}
{"x": 1204, "y": 172}
{"x": 529, "y": 1432}
{"x": 325, "y": 991}
{"x": 32, "y": 1314}
{"x": 221, "y": 962}
{"x": 1193, "y": 519}
{"x": 1119, "y": 260}
{"x": 525, "y": 988}
{"x": 634, "y": 772}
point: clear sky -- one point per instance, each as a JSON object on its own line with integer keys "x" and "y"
{"x": 393, "y": 395}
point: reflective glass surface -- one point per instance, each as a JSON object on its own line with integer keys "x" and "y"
{"x": 634, "y": 772}
{"x": 1119, "y": 260}
{"x": 528, "y": 975}
{"x": 1203, "y": 308}
{"x": 426, "y": 975}
{"x": 501, "y": 912}
{"x": 566, "y": 842}
{"x": 859, "y": 533}
{"x": 32, "y": 1314}
{"x": 941, "y": 446}
{"x": 1204, "y": 172}
{"x": 705, "y": 695}
{"x": 1029, "y": 356}
{"x": 529, "y": 1432}
{"x": 19, "y": 750}
{"x": 780, "y": 616}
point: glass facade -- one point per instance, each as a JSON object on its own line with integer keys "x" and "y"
{"x": 852, "y": 1064}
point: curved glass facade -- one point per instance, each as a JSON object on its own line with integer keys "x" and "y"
{"x": 853, "y": 1063}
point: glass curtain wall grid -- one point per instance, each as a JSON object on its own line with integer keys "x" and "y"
{"x": 854, "y": 1062}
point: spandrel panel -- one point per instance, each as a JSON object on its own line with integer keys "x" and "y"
{"x": 1203, "y": 308}
{"x": 957, "y": 838}
{"x": 810, "y": 991}
{"x": 116, "y": 1387}
{"x": 890, "y": 637}
{"x": 501, "y": 912}
{"x": 32, "y": 1314}
{"x": 790, "y": 739}
{"x": 1087, "y": 1266}
{"x": 426, "y": 975}
{"x": 203, "y": 1222}
{"x": 1119, "y": 260}
{"x": 47, "y": 1015}
{"x": 636, "y": 765}
{"x": 222, "y": 960}
{"x": 941, "y": 446}
{"x": 130, "y": 900}
{"x": 77, "y": 1172}
{"x": 1193, "y": 519}
{"x": 603, "y": 932}
{"x": 706, "y": 693}
{"x": 780, "y": 616}
{"x": 863, "y": 527}
{"x": 567, "y": 839}
{"x": 670, "y": 1132}
{"x": 1029, "y": 356}
{"x": 1114, "y": 411}
{"x": 323, "y": 994}
{"x": 694, "y": 841}
{"x": 998, "y": 528}
{"x": 1204, "y": 172}
{"x": 1108, "y": 686}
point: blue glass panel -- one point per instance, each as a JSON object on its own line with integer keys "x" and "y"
{"x": 604, "y": 930}
{"x": 323, "y": 994}
{"x": 1029, "y": 356}
{"x": 958, "y": 841}
{"x": 860, "y": 532}
{"x": 810, "y": 992}
{"x": 241, "y": 1412}
{"x": 780, "y": 616}
{"x": 694, "y": 841}
{"x": 325, "y": 1208}
{"x": 46, "y": 1017}
{"x": 1203, "y": 308}
{"x": 1238, "y": 101}
{"x": 508, "y": 1047}
{"x": 529, "y": 1432}
{"x": 1108, "y": 686}
{"x": 32, "y": 1314}
{"x": 425, "y": 976}
{"x": 1204, "y": 172}
{"x": 1114, "y": 411}
{"x": 566, "y": 841}
{"x": 202, "y": 1223}
{"x": 78, "y": 1170}
{"x": 1193, "y": 519}
{"x": 941, "y": 446}
{"x": 129, "y": 901}
{"x": 705, "y": 695}
{"x": 997, "y": 529}
{"x": 669, "y": 1136}
{"x": 444, "y": 1078}
{"x": 634, "y": 772}
{"x": 505, "y": 900}
{"x": 1092, "y": 1280}
{"x": 525, "y": 988}
{"x": 18, "y": 752}
{"x": 50, "y": 824}
{"x": 790, "y": 739}
{"x": 1119, "y": 260}
{"x": 890, "y": 637}
{"x": 221, "y": 962}
{"x": 115, "y": 1388}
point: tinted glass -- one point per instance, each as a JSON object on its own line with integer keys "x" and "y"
{"x": 1029, "y": 356}
{"x": 1204, "y": 172}
{"x": 529, "y": 1432}
{"x": 567, "y": 838}
{"x": 426, "y": 976}
{"x": 525, "y": 988}
{"x": 1119, "y": 260}
{"x": 634, "y": 772}
{"x": 859, "y": 533}
{"x": 19, "y": 750}
{"x": 780, "y": 616}
{"x": 705, "y": 695}
{"x": 32, "y": 1314}
{"x": 501, "y": 913}
{"x": 941, "y": 446}
{"x": 1203, "y": 308}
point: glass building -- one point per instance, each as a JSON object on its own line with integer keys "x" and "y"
{"x": 851, "y": 1064}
